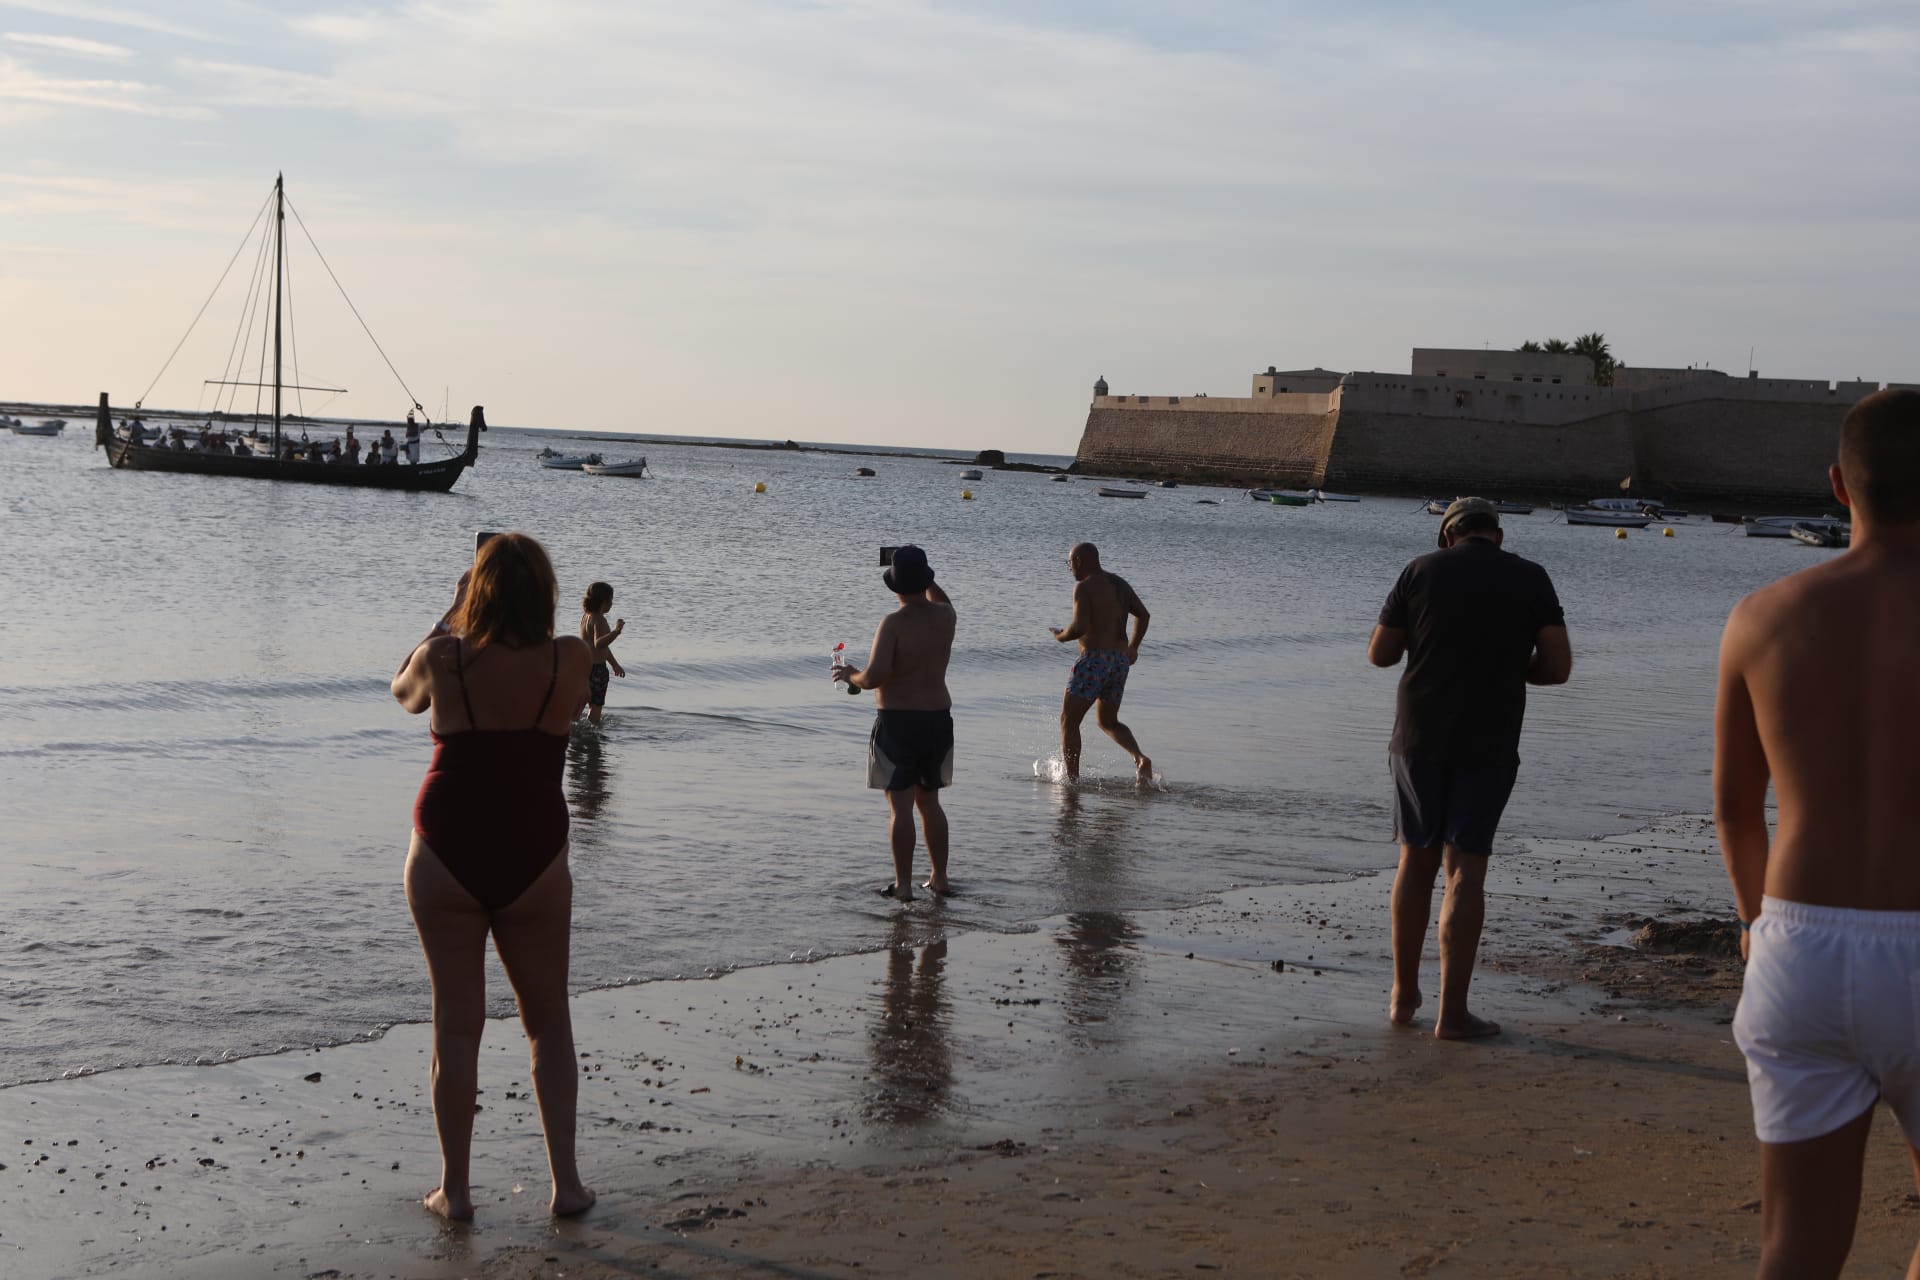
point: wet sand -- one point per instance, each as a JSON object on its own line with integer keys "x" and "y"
{"x": 1110, "y": 1095}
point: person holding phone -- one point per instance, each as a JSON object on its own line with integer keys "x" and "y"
{"x": 910, "y": 754}
{"x": 489, "y": 848}
{"x": 599, "y": 637}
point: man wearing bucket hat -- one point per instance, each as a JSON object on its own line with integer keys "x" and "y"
{"x": 1476, "y": 625}
{"x": 910, "y": 753}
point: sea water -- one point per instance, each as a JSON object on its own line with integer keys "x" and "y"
{"x": 205, "y": 787}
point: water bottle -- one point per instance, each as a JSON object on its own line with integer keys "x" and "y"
{"x": 837, "y": 660}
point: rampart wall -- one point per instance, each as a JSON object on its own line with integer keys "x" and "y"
{"x": 1229, "y": 446}
{"x": 1737, "y": 438}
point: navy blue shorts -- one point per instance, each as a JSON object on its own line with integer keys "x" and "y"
{"x": 1435, "y": 803}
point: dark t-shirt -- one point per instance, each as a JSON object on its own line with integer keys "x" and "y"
{"x": 1471, "y": 613}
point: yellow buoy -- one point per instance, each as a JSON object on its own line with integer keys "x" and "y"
{"x": 1619, "y": 533}
{"x": 759, "y": 486}
{"x": 1667, "y": 534}
{"x": 967, "y": 494}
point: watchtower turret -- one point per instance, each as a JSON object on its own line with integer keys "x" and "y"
{"x": 1100, "y": 385}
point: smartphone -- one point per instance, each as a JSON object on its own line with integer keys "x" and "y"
{"x": 480, "y": 539}
{"x": 886, "y": 556}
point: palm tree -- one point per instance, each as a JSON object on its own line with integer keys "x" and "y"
{"x": 1594, "y": 347}
{"x": 1555, "y": 346}
{"x": 1528, "y": 345}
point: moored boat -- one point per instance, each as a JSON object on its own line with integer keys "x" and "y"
{"x": 50, "y": 427}
{"x": 636, "y": 468}
{"x": 1825, "y": 534}
{"x": 1782, "y": 526}
{"x": 1611, "y": 518}
{"x": 1282, "y": 497}
{"x": 864, "y": 472}
{"x": 554, "y": 460}
{"x": 1110, "y": 491}
{"x": 972, "y": 473}
{"x": 1321, "y": 495}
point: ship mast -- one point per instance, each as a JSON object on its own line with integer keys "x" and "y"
{"x": 279, "y": 250}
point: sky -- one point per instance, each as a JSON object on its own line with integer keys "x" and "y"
{"x": 890, "y": 222}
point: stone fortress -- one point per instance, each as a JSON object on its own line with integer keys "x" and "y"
{"x": 1512, "y": 423}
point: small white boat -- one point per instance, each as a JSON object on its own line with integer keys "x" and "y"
{"x": 972, "y": 473}
{"x": 1824, "y": 534}
{"x": 1617, "y": 504}
{"x": 636, "y": 467}
{"x": 554, "y": 460}
{"x": 1436, "y": 506}
{"x": 1060, "y": 478}
{"x": 1321, "y": 495}
{"x": 1108, "y": 491}
{"x": 864, "y": 473}
{"x": 1608, "y": 517}
{"x": 1783, "y": 526}
{"x": 1281, "y": 497}
{"x": 1506, "y": 508}
{"x": 51, "y": 427}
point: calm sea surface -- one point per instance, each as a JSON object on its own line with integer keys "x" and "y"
{"x": 205, "y": 788}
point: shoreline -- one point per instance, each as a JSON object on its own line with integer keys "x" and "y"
{"x": 1109, "y": 1094}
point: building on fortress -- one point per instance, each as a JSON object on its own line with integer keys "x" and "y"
{"x": 1467, "y": 421}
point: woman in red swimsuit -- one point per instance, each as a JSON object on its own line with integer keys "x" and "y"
{"x": 489, "y": 851}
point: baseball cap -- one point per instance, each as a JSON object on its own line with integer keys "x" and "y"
{"x": 1460, "y": 508}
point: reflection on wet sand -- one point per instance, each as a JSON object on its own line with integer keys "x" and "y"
{"x": 587, "y": 774}
{"x": 1095, "y": 850}
{"x": 912, "y": 1058}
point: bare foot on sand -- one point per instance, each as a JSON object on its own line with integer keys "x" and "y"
{"x": 1400, "y": 1008}
{"x": 1143, "y": 771}
{"x": 898, "y": 893}
{"x": 938, "y": 888}
{"x": 453, "y": 1208}
{"x": 573, "y": 1202}
{"x": 1465, "y": 1027}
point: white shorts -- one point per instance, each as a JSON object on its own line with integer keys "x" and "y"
{"x": 1829, "y": 1018}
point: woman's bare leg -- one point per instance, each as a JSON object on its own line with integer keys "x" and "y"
{"x": 453, "y": 933}
{"x": 533, "y": 936}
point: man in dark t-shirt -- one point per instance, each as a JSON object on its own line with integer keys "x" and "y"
{"x": 1477, "y": 625}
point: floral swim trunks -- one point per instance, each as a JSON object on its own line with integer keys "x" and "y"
{"x": 1100, "y": 676}
{"x": 598, "y": 677}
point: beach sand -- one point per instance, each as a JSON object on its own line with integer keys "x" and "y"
{"x": 1141, "y": 1095}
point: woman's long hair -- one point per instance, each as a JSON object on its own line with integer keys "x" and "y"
{"x": 511, "y": 594}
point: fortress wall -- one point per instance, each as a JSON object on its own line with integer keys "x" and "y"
{"x": 1474, "y": 399}
{"x": 1733, "y": 449}
{"x": 1400, "y": 452}
{"x": 1286, "y": 402}
{"x": 1186, "y": 443}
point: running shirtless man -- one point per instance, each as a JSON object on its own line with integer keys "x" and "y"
{"x": 910, "y": 753}
{"x": 1102, "y": 603}
{"x": 1818, "y": 691}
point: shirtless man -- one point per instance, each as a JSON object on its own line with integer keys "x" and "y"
{"x": 1818, "y": 692}
{"x": 910, "y": 755}
{"x": 1102, "y": 603}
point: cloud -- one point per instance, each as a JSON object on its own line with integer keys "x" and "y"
{"x": 110, "y": 15}
{"x": 71, "y": 44}
{"x": 20, "y": 83}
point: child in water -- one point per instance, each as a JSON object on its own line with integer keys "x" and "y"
{"x": 599, "y": 636}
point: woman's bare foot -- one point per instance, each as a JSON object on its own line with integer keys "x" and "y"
{"x": 1400, "y": 1008}
{"x": 570, "y": 1203}
{"x": 1464, "y": 1027}
{"x": 453, "y": 1208}
{"x": 938, "y": 888}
